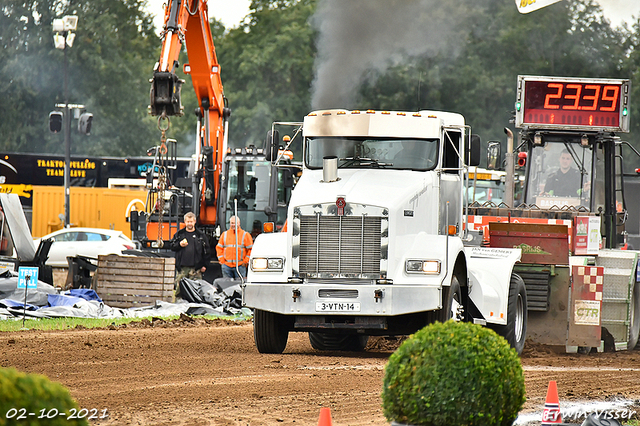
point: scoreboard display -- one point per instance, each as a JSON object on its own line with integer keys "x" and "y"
{"x": 564, "y": 103}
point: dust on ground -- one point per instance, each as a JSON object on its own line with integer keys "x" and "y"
{"x": 201, "y": 372}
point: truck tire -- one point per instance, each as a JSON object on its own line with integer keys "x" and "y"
{"x": 516, "y": 329}
{"x": 338, "y": 342}
{"x": 451, "y": 302}
{"x": 269, "y": 332}
{"x": 634, "y": 318}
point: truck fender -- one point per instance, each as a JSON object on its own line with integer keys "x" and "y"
{"x": 489, "y": 271}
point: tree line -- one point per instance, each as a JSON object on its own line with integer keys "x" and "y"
{"x": 289, "y": 56}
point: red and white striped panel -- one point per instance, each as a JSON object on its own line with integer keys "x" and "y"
{"x": 592, "y": 277}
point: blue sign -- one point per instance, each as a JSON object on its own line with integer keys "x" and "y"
{"x": 27, "y": 277}
{"x": 144, "y": 169}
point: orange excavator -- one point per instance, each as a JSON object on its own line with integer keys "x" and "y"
{"x": 187, "y": 21}
{"x": 222, "y": 181}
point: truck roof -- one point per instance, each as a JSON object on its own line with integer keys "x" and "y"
{"x": 398, "y": 124}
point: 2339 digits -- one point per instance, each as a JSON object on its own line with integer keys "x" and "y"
{"x": 74, "y": 413}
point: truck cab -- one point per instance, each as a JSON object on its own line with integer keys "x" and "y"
{"x": 374, "y": 244}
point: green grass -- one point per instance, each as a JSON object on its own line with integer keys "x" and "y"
{"x": 70, "y": 323}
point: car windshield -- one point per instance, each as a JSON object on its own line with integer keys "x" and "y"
{"x": 74, "y": 236}
{"x": 360, "y": 152}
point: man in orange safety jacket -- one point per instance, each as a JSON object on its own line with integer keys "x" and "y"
{"x": 227, "y": 249}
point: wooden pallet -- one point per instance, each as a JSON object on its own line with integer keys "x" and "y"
{"x": 130, "y": 281}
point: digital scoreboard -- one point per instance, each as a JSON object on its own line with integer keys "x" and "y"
{"x": 565, "y": 103}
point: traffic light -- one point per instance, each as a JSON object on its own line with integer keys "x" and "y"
{"x": 55, "y": 121}
{"x": 84, "y": 123}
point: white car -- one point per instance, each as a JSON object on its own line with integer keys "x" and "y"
{"x": 89, "y": 242}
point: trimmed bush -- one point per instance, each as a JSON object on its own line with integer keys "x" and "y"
{"x": 22, "y": 394}
{"x": 453, "y": 373}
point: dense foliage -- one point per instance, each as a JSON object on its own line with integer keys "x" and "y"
{"x": 33, "y": 399}
{"x": 453, "y": 373}
{"x": 290, "y": 56}
{"x": 109, "y": 65}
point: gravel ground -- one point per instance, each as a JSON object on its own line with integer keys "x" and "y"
{"x": 197, "y": 372}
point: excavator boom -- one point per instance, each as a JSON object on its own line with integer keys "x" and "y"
{"x": 187, "y": 21}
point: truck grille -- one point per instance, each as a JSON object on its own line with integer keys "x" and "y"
{"x": 346, "y": 246}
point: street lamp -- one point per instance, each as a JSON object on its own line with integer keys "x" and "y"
{"x": 62, "y": 38}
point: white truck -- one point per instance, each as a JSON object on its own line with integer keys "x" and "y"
{"x": 375, "y": 238}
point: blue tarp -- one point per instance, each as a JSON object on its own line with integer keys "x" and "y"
{"x": 195, "y": 298}
{"x": 63, "y": 300}
{"x": 85, "y": 293}
{"x": 9, "y": 303}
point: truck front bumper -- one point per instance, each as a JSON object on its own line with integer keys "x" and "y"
{"x": 341, "y": 299}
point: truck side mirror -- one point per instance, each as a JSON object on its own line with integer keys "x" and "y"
{"x": 473, "y": 150}
{"x": 271, "y": 145}
{"x": 287, "y": 178}
{"x": 494, "y": 155}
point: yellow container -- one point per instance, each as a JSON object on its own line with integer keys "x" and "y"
{"x": 90, "y": 207}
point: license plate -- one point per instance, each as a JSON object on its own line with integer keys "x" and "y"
{"x": 337, "y": 306}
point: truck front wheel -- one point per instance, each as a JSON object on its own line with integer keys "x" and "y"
{"x": 269, "y": 332}
{"x": 516, "y": 329}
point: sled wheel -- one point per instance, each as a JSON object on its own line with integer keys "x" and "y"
{"x": 269, "y": 332}
{"x": 338, "y": 342}
{"x": 516, "y": 329}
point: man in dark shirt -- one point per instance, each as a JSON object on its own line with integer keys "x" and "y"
{"x": 192, "y": 250}
{"x": 564, "y": 182}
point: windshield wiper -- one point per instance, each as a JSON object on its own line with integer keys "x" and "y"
{"x": 363, "y": 161}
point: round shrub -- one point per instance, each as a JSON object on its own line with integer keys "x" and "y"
{"x": 22, "y": 394}
{"x": 453, "y": 373}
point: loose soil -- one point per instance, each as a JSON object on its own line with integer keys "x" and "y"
{"x": 197, "y": 372}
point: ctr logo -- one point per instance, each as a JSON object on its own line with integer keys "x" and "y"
{"x": 588, "y": 312}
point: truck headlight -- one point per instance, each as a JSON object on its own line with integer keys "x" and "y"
{"x": 267, "y": 264}
{"x": 422, "y": 266}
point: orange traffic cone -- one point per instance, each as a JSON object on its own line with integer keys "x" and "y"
{"x": 325, "y": 417}
{"x": 551, "y": 414}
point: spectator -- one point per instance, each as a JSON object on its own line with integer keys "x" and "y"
{"x": 234, "y": 242}
{"x": 192, "y": 250}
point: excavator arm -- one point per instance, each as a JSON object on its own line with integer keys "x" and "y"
{"x": 187, "y": 21}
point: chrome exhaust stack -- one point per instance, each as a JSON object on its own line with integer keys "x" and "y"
{"x": 330, "y": 168}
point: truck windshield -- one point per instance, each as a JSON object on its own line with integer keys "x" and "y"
{"x": 560, "y": 175}
{"x": 366, "y": 152}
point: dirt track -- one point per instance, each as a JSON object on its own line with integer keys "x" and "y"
{"x": 199, "y": 373}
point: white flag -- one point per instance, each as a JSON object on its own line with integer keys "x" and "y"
{"x": 526, "y": 6}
